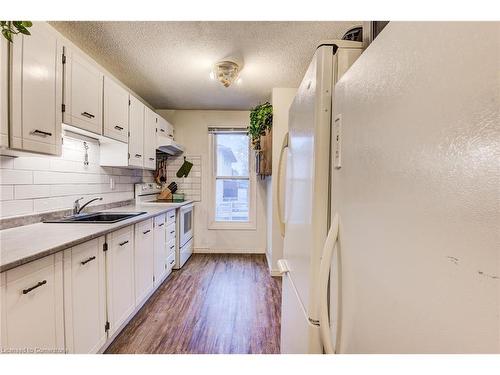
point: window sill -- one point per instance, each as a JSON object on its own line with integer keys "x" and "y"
{"x": 217, "y": 225}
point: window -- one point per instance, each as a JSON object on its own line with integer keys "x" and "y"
{"x": 233, "y": 185}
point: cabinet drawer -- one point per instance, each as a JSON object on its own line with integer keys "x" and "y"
{"x": 159, "y": 220}
{"x": 171, "y": 232}
{"x": 170, "y": 262}
{"x": 32, "y": 306}
{"x": 144, "y": 229}
{"x": 171, "y": 246}
{"x": 170, "y": 217}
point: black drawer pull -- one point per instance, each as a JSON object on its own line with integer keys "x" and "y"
{"x": 171, "y": 136}
{"x": 138, "y": 155}
{"x": 172, "y": 246}
{"x": 162, "y": 130}
{"x": 88, "y": 115}
{"x": 172, "y": 262}
{"x": 171, "y": 217}
{"x": 123, "y": 243}
{"x": 118, "y": 128}
{"x": 161, "y": 224}
{"x": 172, "y": 232}
{"x": 146, "y": 232}
{"x": 26, "y": 291}
{"x": 86, "y": 261}
{"x": 151, "y": 158}
{"x": 41, "y": 133}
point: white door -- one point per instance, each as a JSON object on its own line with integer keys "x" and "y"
{"x": 83, "y": 90}
{"x": 144, "y": 260}
{"x": 32, "y": 306}
{"x": 116, "y": 102}
{"x": 150, "y": 123}
{"x": 36, "y": 100}
{"x": 4, "y": 78}
{"x": 160, "y": 256}
{"x": 85, "y": 297}
{"x": 120, "y": 277}
{"x": 136, "y": 137}
{"x": 307, "y": 177}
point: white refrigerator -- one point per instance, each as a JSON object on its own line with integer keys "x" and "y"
{"x": 306, "y": 211}
{"x": 412, "y": 262}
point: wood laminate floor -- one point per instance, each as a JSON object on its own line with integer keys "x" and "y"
{"x": 217, "y": 303}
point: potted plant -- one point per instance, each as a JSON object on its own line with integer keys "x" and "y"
{"x": 261, "y": 120}
{"x": 10, "y": 28}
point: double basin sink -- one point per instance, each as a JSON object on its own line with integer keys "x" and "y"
{"x": 97, "y": 218}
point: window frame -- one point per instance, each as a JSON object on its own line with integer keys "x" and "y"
{"x": 252, "y": 180}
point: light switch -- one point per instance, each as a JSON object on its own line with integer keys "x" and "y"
{"x": 337, "y": 142}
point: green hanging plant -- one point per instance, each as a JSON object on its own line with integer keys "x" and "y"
{"x": 261, "y": 120}
{"x": 10, "y": 28}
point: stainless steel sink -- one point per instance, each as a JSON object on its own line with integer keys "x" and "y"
{"x": 97, "y": 218}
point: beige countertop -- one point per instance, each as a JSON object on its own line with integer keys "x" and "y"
{"x": 30, "y": 242}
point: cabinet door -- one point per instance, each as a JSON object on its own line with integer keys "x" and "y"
{"x": 169, "y": 129}
{"x": 32, "y": 306}
{"x": 85, "y": 297}
{"x": 116, "y": 100}
{"x": 120, "y": 277}
{"x": 160, "y": 261}
{"x": 83, "y": 87}
{"x": 151, "y": 120}
{"x": 36, "y": 101}
{"x": 136, "y": 137}
{"x": 144, "y": 260}
{"x": 4, "y": 120}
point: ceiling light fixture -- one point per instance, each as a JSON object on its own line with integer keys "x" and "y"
{"x": 226, "y": 71}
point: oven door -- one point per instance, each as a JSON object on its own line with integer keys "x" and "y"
{"x": 186, "y": 219}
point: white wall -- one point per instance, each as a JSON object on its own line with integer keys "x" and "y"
{"x": 31, "y": 185}
{"x": 281, "y": 100}
{"x": 191, "y": 130}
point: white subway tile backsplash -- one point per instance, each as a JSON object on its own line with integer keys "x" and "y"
{"x": 32, "y": 163}
{"x": 31, "y": 191}
{"x": 15, "y": 208}
{"x": 6, "y": 192}
{"x": 14, "y": 176}
{"x": 6, "y": 162}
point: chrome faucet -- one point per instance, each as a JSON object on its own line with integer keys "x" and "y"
{"x": 76, "y": 206}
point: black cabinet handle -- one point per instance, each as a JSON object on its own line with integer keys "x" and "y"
{"x": 161, "y": 224}
{"x": 123, "y": 243}
{"x": 146, "y": 232}
{"x": 172, "y": 262}
{"x": 151, "y": 158}
{"x": 172, "y": 246}
{"x": 171, "y": 217}
{"x": 172, "y": 232}
{"x": 88, "y": 115}
{"x": 162, "y": 130}
{"x": 41, "y": 133}
{"x": 87, "y": 260}
{"x": 118, "y": 128}
{"x": 138, "y": 155}
{"x": 26, "y": 291}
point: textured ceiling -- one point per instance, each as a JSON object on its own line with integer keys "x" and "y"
{"x": 168, "y": 63}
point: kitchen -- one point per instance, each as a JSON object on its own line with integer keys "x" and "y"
{"x": 213, "y": 203}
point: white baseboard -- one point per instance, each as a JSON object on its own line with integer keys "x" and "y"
{"x": 272, "y": 271}
{"x": 275, "y": 273}
{"x": 204, "y": 250}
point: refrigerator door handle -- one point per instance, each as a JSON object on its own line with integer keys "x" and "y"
{"x": 324, "y": 273}
{"x": 284, "y": 145}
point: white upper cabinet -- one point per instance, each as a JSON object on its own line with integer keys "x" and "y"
{"x": 136, "y": 137}
{"x": 36, "y": 91}
{"x": 165, "y": 128}
{"x": 4, "y": 120}
{"x": 116, "y": 103}
{"x": 31, "y": 303}
{"x": 85, "y": 297}
{"x": 150, "y": 123}
{"x": 83, "y": 86}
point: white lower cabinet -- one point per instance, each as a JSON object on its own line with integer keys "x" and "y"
{"x": 85, "y": 297}
{"x": 160, "y": 256}
{"x": 120, "y": 277}
{"x": 32, "y": 310}
{"x": 144, "y": 260}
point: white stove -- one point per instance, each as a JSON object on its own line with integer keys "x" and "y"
{"x": 147, "y": 194}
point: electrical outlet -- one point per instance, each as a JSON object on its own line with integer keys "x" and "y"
{"x": 112, "y": 183}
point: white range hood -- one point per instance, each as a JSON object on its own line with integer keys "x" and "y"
{"x": 168, "y": 145}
